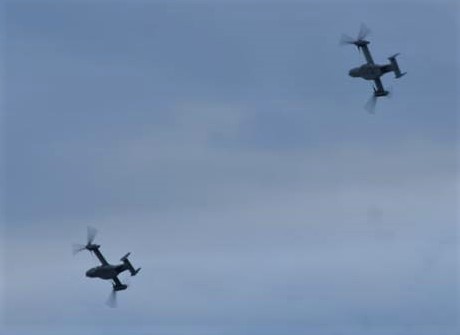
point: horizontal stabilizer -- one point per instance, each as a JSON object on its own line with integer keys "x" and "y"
{"x": 125, "y": 257}
{"x": 128, "y": 265}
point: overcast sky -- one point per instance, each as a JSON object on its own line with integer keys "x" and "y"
{"x": 224, "y": 144}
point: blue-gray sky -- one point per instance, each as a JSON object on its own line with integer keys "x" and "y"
{"x": 224, "y": 144}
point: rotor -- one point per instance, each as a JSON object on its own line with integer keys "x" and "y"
{"x": 91, "y": 235}
{"x": 112, "y": 300}
{"x": 360, "y": 39}
{"x": 372, "y": 102}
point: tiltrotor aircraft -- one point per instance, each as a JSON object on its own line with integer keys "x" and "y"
{"x": 106, "y": 271}
{"x": 370, "y": 70}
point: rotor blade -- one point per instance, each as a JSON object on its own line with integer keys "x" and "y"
{"x": 363, "y": 31}
{"x": 370, "y": 104}
{"x": 76, "y": 248}
{"x": 346, "y": 39}
{"x": 92, "y": 232}
{"x": 112, "y": 300}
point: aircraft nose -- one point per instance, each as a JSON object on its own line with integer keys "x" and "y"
{"x": 90, "y": 273}
{"x": 355, "y": 72}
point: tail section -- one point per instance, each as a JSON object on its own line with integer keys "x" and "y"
{"x": 128, "y": 265}
{"x": 395, "y": 67}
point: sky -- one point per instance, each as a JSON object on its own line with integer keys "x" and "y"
{"x": 224, "y": 144}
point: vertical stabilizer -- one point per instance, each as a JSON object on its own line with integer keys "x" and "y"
{"x": 128, "y": 265}
{"x": 395, "y": 67}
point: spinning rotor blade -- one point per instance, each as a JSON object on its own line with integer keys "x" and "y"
{"x": 112, "y": 300}
{"x": 91, "y": 235}
{"x": 76, "y": 248}
{"x": 346, "y": 39}
{"x": 92, "y": 232}
{"x": 363, "y": 32}
{"x": 370, "y": 104}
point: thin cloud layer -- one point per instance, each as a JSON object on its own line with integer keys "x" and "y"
{"x": 225, "y": 146}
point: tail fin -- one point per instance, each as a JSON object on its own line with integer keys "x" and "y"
{"x": 395, "y": 66}
{"x": 128, "y": 265}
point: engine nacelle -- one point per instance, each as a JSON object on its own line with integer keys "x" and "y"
{"x": 120, "y": 287}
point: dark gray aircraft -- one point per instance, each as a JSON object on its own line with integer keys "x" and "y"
{"x": 105, "y": 270}
{"x": 370, "y": 70}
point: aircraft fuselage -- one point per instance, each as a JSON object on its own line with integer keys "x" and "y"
{"x": 369, "y": 71}
{"x": 105, "y": 271}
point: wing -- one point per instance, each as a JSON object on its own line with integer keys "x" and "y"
{"x": 117, "y": 282}
{"x": 367, "y": 54}
{"x": 117, "y": 285}
{"x": 100, "y": 257}
{"x": 378, "y": 86}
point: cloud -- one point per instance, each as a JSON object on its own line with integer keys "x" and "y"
{"x": 256, "y": 247}
{"x": 226, "y": 148}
